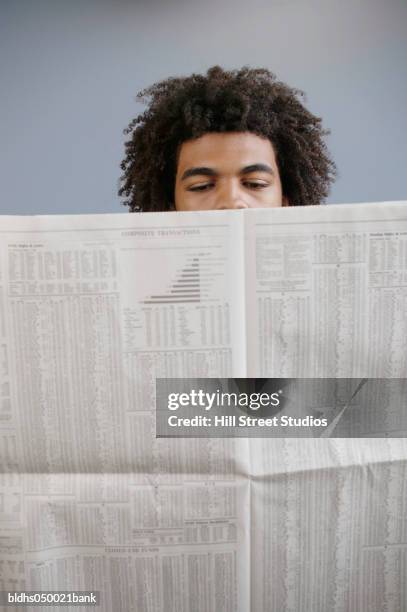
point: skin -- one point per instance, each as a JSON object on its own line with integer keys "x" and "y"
{"x": 233, "y": 170}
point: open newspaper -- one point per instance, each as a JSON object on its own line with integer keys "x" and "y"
{"x": 94, "y": 308}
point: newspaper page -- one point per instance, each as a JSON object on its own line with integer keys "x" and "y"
{"x": 326, "y": 295}
{"x": 93, "y": 309}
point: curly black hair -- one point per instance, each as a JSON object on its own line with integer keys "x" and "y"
{"x": 245, "y": 100}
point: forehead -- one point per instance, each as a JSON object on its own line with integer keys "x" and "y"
{"x": 228, "y": 151}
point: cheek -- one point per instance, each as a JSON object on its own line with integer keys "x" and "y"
{"x": 272, "y": 196}
{"x": 184, "y": 201}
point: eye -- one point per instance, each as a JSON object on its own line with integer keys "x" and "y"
{"x": 200, "y": 187}
{"x": 255, "y": 184}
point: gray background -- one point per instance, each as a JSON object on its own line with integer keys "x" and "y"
{"x": 70, "y": 71}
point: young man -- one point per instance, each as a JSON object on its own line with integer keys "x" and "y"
{"x": 227, "y": 139}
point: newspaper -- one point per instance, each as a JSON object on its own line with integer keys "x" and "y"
{"x": 93, "y": 308}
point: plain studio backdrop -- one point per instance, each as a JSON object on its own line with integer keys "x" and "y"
{"x": 70, "y": 72}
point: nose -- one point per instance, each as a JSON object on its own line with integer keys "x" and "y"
{"x": 230, "y": 196}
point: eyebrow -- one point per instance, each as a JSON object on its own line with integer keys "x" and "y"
{"x": 198, "y": 171}
{"x": 204, "y": 171}
{"x": 257, "y": 168}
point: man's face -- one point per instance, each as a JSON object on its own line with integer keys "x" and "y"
{"x": 227, "y": 171}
